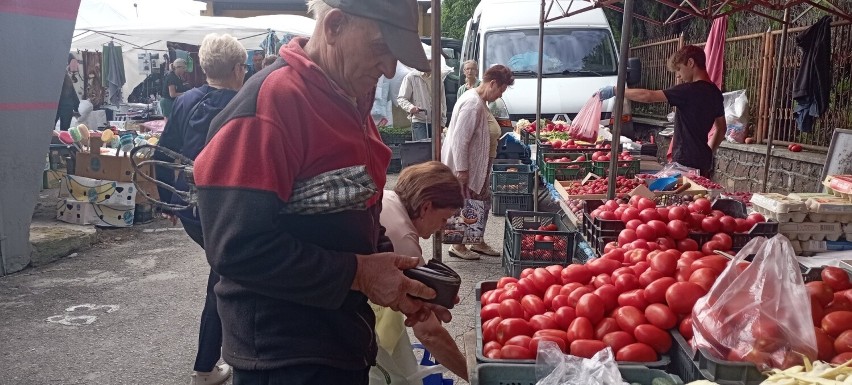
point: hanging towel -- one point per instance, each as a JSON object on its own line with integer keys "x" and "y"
{"x": 813, "y": 82}
{"x": 113, "y": 72}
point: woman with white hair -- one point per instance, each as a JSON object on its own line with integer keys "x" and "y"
{"x": 174, "y": 85}
{"x": 223, "y": 61}
{"x": 471, "y": 77}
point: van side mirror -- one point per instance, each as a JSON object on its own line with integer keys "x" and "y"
{"x": 634, "y": 71}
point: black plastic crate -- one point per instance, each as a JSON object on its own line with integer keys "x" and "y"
{"x": 415, "y": 152}
{"x": 502, "y": 203}
{"x": 522, "y": 250}
{"x": 484, "y": 287}
{"x": 737, "y": 209}
{"x": 395, "y": 150}
{"x": 394, "y": 167}
{"x": 610, "y": 225}
{"x": 516, "y": 374}
{"x": 512, "y": 179}
{"x": 692, "y": 365}
{"x": 395, "y": 138}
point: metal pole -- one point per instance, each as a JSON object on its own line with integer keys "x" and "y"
{"x": 618, "y": 109}
{"x": 776, "y": 90}
{"x": 538, "y": 101}
{"x": 437, "y": 94}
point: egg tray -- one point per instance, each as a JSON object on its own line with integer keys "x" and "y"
{"x": 818, "y": 231}
{"x": 778, "y": 203}
{"x": 829, "y": 209}
{"x": 794, "y": 216}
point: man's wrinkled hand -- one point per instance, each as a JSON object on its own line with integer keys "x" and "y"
{"x": 379, "y": 277}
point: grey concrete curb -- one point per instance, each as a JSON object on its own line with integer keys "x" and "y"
{"x": 53, "y": 241}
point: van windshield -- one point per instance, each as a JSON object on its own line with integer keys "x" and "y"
{"x": 567, "y": 52}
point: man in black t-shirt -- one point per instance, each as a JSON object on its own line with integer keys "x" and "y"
{"x": 173, "y": 86}
{"x": 699, "y": 108}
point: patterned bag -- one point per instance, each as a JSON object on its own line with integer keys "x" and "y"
{"x": 467, "y": 226}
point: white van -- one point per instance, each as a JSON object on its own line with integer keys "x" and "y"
{"x": 580, "y": 56}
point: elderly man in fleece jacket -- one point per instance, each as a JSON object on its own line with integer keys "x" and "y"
{"x": 290, "y": 191}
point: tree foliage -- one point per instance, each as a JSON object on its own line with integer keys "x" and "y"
{"x": 454, "y": 16}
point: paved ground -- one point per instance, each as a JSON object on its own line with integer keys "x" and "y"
{"x": 126, "y": 310}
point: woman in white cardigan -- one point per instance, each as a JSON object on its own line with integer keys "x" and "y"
{"x": 471, "y": 144}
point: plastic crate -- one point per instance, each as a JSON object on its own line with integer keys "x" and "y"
{"x": 543, "y": 153}
{"x": 626, "y": 168}
{"x": 552, "y": 171}
{"x": 395, "y": 150}
{"x": 693, "y": 365}
{"x": 519, "y": 181}
{"x": 502, "y": 203}
{"x": 523, "y": 225}
{"x": 610, "y": 225}
{"x": 415, "y": 152}
{"x": 395, "y": 138}
{"x": 737, "y": 209}
{"x": 491, "y": 285}
{"x": 395, "y": 166}
{"x": 515, "y": 374}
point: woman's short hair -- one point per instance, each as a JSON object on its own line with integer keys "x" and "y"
{"x": 501, "y": 74}
{"x": 466, "y": 62}
{"x": 432, "y": 182}
{"x": 219, "y": 54}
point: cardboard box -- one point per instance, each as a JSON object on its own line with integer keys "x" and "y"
{"x": 104, "y": 167}
{"x": 52, "y": 179}
{"x": 145, "y": 191}
{"x": 85, "y": 213}
{"x": 105, "y": 192}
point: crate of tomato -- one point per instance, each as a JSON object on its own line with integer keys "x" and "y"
{"x": 627, "y": 166}
{"x": 512, "y": 179}
{"x": 565, "y": 166}
{"x": 533, "y": 239}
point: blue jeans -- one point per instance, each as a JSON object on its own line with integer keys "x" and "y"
{"x": 421, "y": 131}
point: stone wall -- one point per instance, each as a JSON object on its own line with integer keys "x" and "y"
{"x": 739, "y": 167}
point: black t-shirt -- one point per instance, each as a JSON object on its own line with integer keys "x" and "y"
{"x": 173, "y": 80}
{"x": 698, "y": 105}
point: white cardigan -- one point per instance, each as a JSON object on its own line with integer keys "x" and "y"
{"x": 467, "y": 143}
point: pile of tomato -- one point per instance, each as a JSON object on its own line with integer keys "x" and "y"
{"x": 831, "y": 310}
{"x": 627, "y": 299}
{"x": 662, "y": 228}
{"x": 599, "y": 186}
{"x": 544, "y": 247}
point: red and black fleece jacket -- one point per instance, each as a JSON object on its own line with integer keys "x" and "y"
{"x": 284, "y": 296}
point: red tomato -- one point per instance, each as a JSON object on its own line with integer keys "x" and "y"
{"x": 637, "y": 352}
{"x": 695, "y": 220}
{"x": 627, "y": 236}
{"x": 556, "y": 271}
{"x": 541, "y": 322}
{"x": 564, "y": 316}
{"x": 666, "y": 243}
{"x": 649, "y": 214}
{"x": 702, "y": 205}
{"x": 491, "y": 345}
{"x": 817, "y": 313}
{"x": 729, "y": 224}
{"x": 646, "y": 232}
{"x": 586, "y": 348}
{"x": 640, "y": 244}
{"x": 836, "y": 278}
{"x": 532, "y": 304}
{"x": 635, "y": 298}
{"x": 664, "y": 213}
{"x": 628, "y": 318}
{"x": 649, "y": 276}
{"x": 512, "y": 352}
{"x": 590, "y": 306}
{"x": 840, "y": 303}
{"x": 491, "y": 296}
{"x": 704, "y": 277}
{"x": 606, "y": 326}
{"x": 576, "y": 273}
{"x": 660, "y": 316}
{"x": 601, "y": 279}
{"x": 820, "y": 292}
{"x": 549, "y": 294}
{"x": 618, "y": 339}
{"x": 527, "y": 285}
{"x": 724, "y": 239}
{"x": 492, "y": 310}
{"x": 489, "y": 329}
{"x": 681, "y": 296}
{"x": 629, "y": 213}
{"x": 655, "y": 292}
{"x": 640, "y": 268}
{"x": 756, "y": 217}
{"x": 494, "y": 354}
{"x": 602, "y": 266}
{"x": 659, "y": 227}
{"x": 665, "y": 263}
{"x": 627, "y": 282}
{"x": 621, "y": 271}
{"x": 841, "y": 358}
{"x": 710, "y": 247}
{"x": 527, "y": 272}
{"x": 504, "y": 280}
{"x": 559, "y": 302}
{"x": 678, "y": 213}
{"x": 554, "y": 333}
{"x": 768, "y": 336}
{"x": 511, "y": 308}
{"x": 645, "y": 203}
{"x": 538, "y": 340}
{"x": 542, "y": 279}
{"x": 825, "y": 345}
{"x": 609, "y": 295}
{"x": 711, "y": 225}
{"x": 743, "y": 226}
{"x": 654, "y": 337}
{"x": 511, "y": 327}
{"x": 508, "y": 294}
{"x": 519, "y": 341}
{"x": 569, "y": 288}
{"x": 687, "y": 245}
{"x": 633, "y": 224}
{"x": 685, "y": 327}
{"x": 717, "y": 263}
{"x": 580, "y": 329}
{"x": 837, "y": 322}
{"x": 575, "y": 296}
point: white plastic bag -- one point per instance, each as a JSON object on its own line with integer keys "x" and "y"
{"x": 552, "y": 367}
{"x": 736, "y": 115}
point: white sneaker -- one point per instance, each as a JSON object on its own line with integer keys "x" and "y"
{"x": 220, "y": 374}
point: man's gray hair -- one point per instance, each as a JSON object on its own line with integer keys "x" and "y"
{"x": 318, "y": 9}
{"x": 179, "y": 62}
{"x": 219, "y": 54}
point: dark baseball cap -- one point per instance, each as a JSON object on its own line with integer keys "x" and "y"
{"x": 397, "y": 20}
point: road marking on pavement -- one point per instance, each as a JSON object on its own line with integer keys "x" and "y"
{"x": 81, "y": 320}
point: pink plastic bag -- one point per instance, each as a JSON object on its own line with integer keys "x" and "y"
{"x": 585, "y": 125}
{"x": 761, "y": 314}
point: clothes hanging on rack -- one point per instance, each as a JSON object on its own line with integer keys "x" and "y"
{"x": 813, "y": 82}
{"x": 94, "y": 89}
{"x": 113, "y": 72}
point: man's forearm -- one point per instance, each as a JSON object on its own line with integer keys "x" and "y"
{"x": 440, "y": 343}
{"x": 639, "y": 95}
